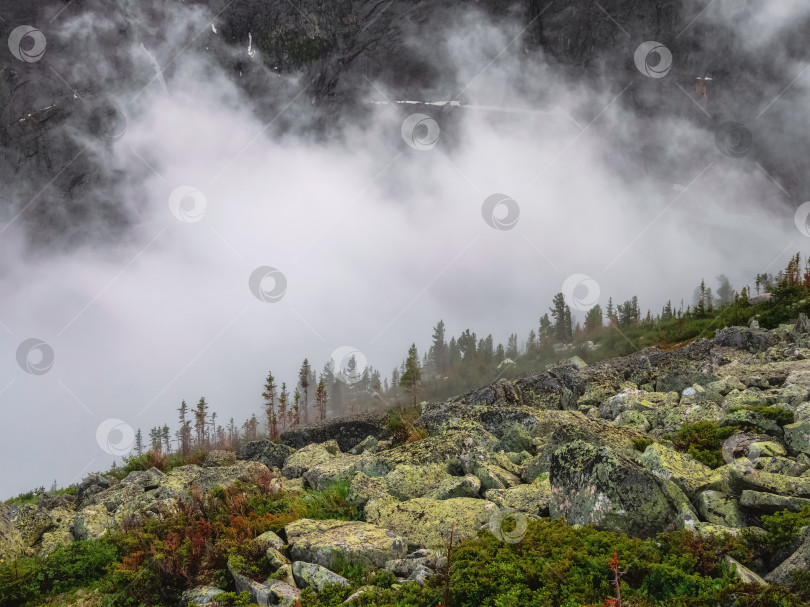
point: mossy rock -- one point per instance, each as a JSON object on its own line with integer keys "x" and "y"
{"x": 91, "y": 522}
{"x": 594, "y": 486}
{"x": 720, "y": 509}
{"x": 780, "y": 465}
{"x": 797, "y": 437}
{"x": 426, "y": 522}
{"x": 305, "y": 458}
{"x": 770, "y": 502}
{"x": 312, "y": 575}
{"x": 532, "y": 499}
{"x": 744, "y": 477}
{"x": 456, "y": 486}
{"x": 364, "y": 488}
{"x": 31, "y": 521}
{"x": 407, "y": 481}
{"x": 331, "y": 543}
{"x": 686, "y": 472}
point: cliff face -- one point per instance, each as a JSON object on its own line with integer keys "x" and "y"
{"x": 48, "y": 106}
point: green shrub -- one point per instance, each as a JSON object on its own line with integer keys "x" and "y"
{"x": 232, "y": 599}
{"x": 778, "y": 414}
{"x": 784, "y": 526}
{"x": 66, "y": 568}
{"x": 640, "y": 443}
{"x": 703, "y": 440}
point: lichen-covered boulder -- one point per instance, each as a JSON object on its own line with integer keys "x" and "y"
{"x": 202, "y": 595}
{"x": 92, "y": 484}
{"x": 743, "y": 338}
{"x": 331, "y": 542}
{"x": 780, "y": 465}
{"x": 532, "y": 499}
{"x": 31, "y": 521}
{"x": 741, "y": 477}
{"x": 770, "y": 502}
{"x": 91, "y": 522}
{"x": 456, "y": 486}
{"x": 367, "y": 445}
{"x": 11, "y": 542}
{"x": 720, "y": 509}
{"x": 259, "y": 593}
{"x": 797, "y": 437}
{"x": 364, "y": 488}
{"x": 798, "y": 561}
{"x": 268, "y": 539}
{"x": 347, "y": 431}
{"x": 686, "y": 472}
{"x": 217, "y": 458}
{"x": 408, "y": 481}
{"x": 747, "y": 418}
{"x": 743, "y": 573}
{"x": 637, "y": 400}
{"x": 341, "y": 468}
{"x": 312, "y": 575}
{"x": 426, "y": 522}
{"x": 516, "y": 438}
{"x": 593, "y": 486}
{"x": 282, "y": 593}
{"x": 272, "y": 455}
{"x": 309, "y": 457}
{"x": 51, "y": 540}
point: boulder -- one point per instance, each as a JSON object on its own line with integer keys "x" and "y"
{"x": 282, "y": 593}
{"x": 202, "y": 595}
{"x": 720, "y": 509}
{"x": 594, "y": 486}
{"x": 11, "y": 541}
{"x": 797, "y": 437}
{"x": 407, "y": 481}
{"x": 780, "y": 465}
{"x": 743, "y": 477}
{"x": 685, "y": 471}
{"x": 456, "y": 486}
{"x": 308, "y": 457}
{"x": 217, "y": 458}
{"x": 341, "y": 468}
{"x": 348, "y": 431}
{"x": 747, "y": 418}
{"x": 743, "y": 573}
{"x": 91, "y": 522}
{"x": 51, "y": 540}
{"x": 311, "y": 575}
{"x": 799, "y": 560}
{"x": 770, "y": 502}
{"x": 332, "y": 542}
{"x": 533, "y": 498}
{"x": 425, "y": 522}
{"x": 92, "y": 484}
{"x": 367, "y": 445}
{"x": 259, "y": 593}
{"x": 31, "y": 521}
{"x": 364, "y": 488}
{"x": 272, "y": 455}
{"x": 268, "y": 539}
{"x": 744, "y": 338}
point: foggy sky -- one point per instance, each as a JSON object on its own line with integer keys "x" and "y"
{"x": 377, "y": 240}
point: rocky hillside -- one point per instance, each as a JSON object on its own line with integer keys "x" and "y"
{"x": 712, "y": 438}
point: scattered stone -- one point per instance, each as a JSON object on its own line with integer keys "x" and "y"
{"x": 202, "y": 595}
{"x": 91, "y": 522}
{"x": 368, "y": 444}
{"x": 594, "y": 486}
{"x": 685, "y": 471}
{"x": 532, "y": 499}
{"x": 332, "y": 542}
{"x": 456, "y": 486}
{"x": 797, "y": 437}
{"x": 720, "y": 509}
{"x": 744, "y": 574}
{"x": 306, "y": 458}
{"x": 312, "y": 575}
{"x": 217, "y": 458}
{"x": 799, "y": 560}
{"x": 770, "y": 502}
{"x": 425, "y": 522}
{"x": 272, "y": 455}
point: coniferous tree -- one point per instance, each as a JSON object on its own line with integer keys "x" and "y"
{"x": 439, "y": 350}
{"x": 184, "y": 432}
{"x": 201, "y": 421}
{"x": 412, "y": 377}
{"x": 269, "y": 396}
{"x": 321, "y": 398}
{"x": 303, "y": 380}
{"x": 282, "y": 406}
{"x": 139, "y": 442}
{"x": 166, "y": 438}
{"x": 594, "y": 320}
{"x": 297, "y": 407}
